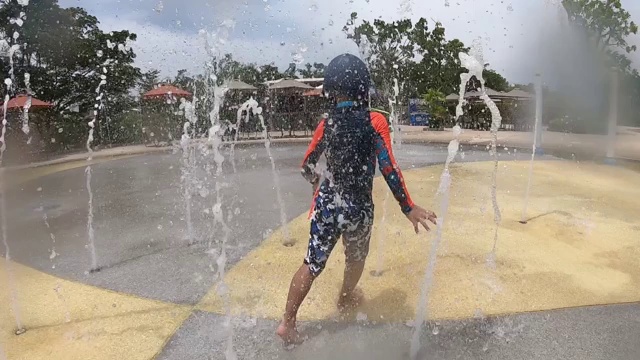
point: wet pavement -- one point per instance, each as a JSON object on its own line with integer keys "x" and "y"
{"x": 143, "y": 249}
{"x": 141, "y": 237}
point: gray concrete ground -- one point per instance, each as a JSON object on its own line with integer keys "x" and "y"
{"x": 143, "y": 249}
{"x": 593, "y": 333}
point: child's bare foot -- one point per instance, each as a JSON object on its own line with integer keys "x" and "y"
{"x": 350, "y": 301}
{"x": 288, "y": 333}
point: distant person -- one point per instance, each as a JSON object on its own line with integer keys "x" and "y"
{"x": 352, "y": 138}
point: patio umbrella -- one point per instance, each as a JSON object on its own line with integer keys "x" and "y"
{"x": 20, "y": 101}
{"x": 290, "y": 84}
{"x": 520, "y": 94}
{"x": 166, "y": 90}
{"x": 476, "y": 94}
{"x": 239, "y": 85}
{"x": 452, "y": 97}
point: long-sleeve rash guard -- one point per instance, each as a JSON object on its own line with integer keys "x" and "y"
{"x": 353, "y": 140}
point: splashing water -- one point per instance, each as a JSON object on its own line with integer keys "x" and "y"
{"x": 396, "y": 136}
{"x": 474, "y": 62}
{"x": 27, "y": 105}
{"x": 405, "y": 7}
{"x": 382, "y": 237}
{"x": 523, "y": 218}
{"x": 253, "y": 105}
{"x": 53, "y": 254}
{"x": 9, "y": 83}
{"x": 215, "y": 140}
{"x": 15, "y": 306}
{"x": 88, "y": 170}
{"x": 188, "y": 160}
{"x": 67, "y": 313}
{"x": 298, "y": 55}
{"x": 443, "y": 193}
{"x": 475, "y": 68}
{"x": 241, "y": 109}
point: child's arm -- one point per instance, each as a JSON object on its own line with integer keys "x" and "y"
{"x": 387, "y": 163}
{"x": 313, "y": 154}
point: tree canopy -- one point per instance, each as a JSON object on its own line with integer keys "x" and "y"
{"x": 608, "y": 25}
{"x": 66, "y": 54}
{"x": 417, "y": 55}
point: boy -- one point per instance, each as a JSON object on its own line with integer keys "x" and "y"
{"x": 352, "y": 138}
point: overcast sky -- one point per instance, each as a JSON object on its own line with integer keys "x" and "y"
{"x": 275, "y": 30}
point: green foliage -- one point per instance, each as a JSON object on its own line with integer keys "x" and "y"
{"x": 608, "y": 26}
{"x": 436, "y": 101}
{"x": 66, "y": 55}
{"x": 606, "y": 21}
{"x": 416, "y": 55}
{"x": 495, "y": 81}
{"x": 62, "y": 54}
{"x": 312, "y": 71}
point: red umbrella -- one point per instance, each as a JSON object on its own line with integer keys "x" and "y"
{"x": 166, "y": 90}
{"x": 20, "y": 101}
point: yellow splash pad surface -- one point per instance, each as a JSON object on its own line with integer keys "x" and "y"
{"x": 580, "y": 247}
{"x": 69, "y": 320}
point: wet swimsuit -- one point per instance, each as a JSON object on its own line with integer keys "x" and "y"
{"x": 352, "y": 139}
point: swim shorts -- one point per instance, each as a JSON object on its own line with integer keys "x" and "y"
{"x": 336, "y": 216}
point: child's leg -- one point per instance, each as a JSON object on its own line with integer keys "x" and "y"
{"x": 356, "y": 245}
{"x": 323, "y": 237}
{"x": 349, "y": 296}
{"x": 298, "y": 290}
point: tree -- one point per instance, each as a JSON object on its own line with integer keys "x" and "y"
{"x": 291, "y": 71}
{"x": 312, "y": 71}
{"x": 439, "y": 67}
{"x": 148, "y": 80}
{"x": 67, "y": 57}
{"x": 269, "y": 72}
{"x": 415, "y": 55}
{"x": 607, "y": 26}
{"x": 437, "y": 103}
{"x": 495, "y": 81}
{"x": 388, "y": 48}
{"x": 606, "y": 21}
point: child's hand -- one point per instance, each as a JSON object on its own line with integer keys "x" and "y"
{"x": 419, "y": 216}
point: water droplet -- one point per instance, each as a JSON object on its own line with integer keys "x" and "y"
{"x": 282, "y": 43}
{"x": 159, "y": 7}
{"x": 361, "y": 317}
{"x": 331, "y": 22}
{"x": 436, "y": 329}
{"x": 510, "y": 7}
{"x": 313, "y": 7}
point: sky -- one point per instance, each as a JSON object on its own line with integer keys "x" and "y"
{"x": 513, "y": 33}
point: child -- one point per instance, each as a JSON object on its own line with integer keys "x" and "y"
{"x": 352, "y": 138}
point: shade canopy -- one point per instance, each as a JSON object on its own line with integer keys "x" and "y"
{"x": 239, "y": 85}
{"x": 520, "y": 94}
{"x": 165, "y": 90}
{"x": 289, "y": 84}
{"x": 21, "y": 100}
